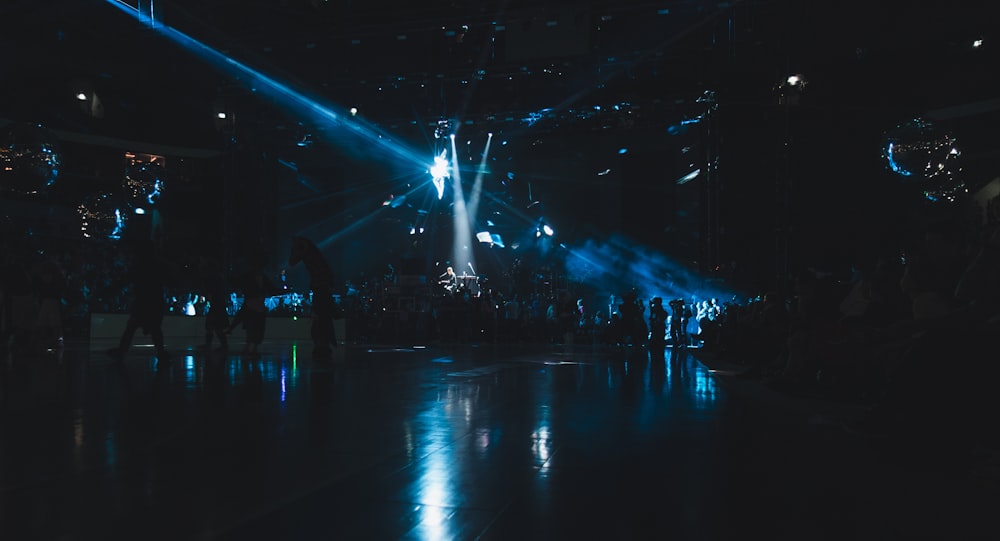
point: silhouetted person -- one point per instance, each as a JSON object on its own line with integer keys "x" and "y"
{"x": 679, "y": 315}
{"x": 633, "y": 324}
{"x": 216, "y": 320}
{"x": 49, "y": 284}
{"x": 148, "y": 275}
{"x": 256, "y": 287}
{"x": 324, "y": 307}
{"x": 657, "y": 322}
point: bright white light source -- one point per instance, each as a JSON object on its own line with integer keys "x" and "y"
{"x": 547, "y": 230}
{"x": 81, "y": 96}
{"x": 439, "y": 172}
{"x": 221, "y": 115}
{"x": 977, "y": 43}
{"x": 440, "y": 167}
{"x": 689, "y": 177}
{"x": 796, "y": 80}
{"x": 354, "y": 111}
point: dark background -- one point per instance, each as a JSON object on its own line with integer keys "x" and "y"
{"x": 795, "y": 180}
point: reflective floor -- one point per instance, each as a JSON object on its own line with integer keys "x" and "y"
{"x": 445, "y": 442}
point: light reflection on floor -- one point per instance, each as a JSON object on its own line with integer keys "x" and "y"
{"x": 496, "y": 443}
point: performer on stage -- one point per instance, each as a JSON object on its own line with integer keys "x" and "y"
{"x": 449, "y": 280}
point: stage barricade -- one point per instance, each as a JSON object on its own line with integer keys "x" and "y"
{"x": 192, "y": 329}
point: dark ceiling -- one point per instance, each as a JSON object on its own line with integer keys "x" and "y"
{"x": 399, "y": 61}
{"x": 493, "y": 64}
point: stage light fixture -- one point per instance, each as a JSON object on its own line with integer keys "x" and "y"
{"x": 796, "y": 80}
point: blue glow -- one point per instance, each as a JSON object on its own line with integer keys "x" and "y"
{"x": 534, "y": 116}
{"x": 119, "y": 225}
{"x": 895, "y": 166}
{"x": 284, "y": 383}
{"x": 339, "y": 128}
{"x": 623, "y": 151}
{"x": 190, "y": 370}
{"x": 618, "y": 263}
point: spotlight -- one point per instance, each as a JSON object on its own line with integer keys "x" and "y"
{"x": 440, "y": 167}
{"x": 440, "y": 171}
{"x": 547, "y": 230}
{"x": 221, "y": 115}
{"x": 354, "y": 111}
{"x": 81, "y": 96}
{"x": 443, "y": 127}
{"x": 797, "y": 81}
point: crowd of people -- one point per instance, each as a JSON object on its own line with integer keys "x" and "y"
{"x": 908, "y": 333}
{"x": 51, "y": 287}
{"x": 908, "y": 330}
{"x": 889, "y": 330}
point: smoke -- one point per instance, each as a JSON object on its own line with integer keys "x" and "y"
{"x": 618, "y": 265}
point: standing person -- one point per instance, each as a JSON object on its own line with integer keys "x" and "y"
{"x": 324, "y": 307}
{"x": 216, "y": 320}
{"x": 633, "y": 323}
{"x": 148, "y": 275}
{"x": 657, "y": 322}
{"x": 678, "y": 322}
{"x": 252, "y": 315}
{"x": 50, "y": 290}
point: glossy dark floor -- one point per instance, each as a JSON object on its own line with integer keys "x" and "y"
{"x": 445, "y": 442}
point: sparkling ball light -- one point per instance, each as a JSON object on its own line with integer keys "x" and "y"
{"x": 29, "y": 158}
{"x": 925, "y": 157}
{"x": 103, "y": 216}
{"x": 143, "y": 184}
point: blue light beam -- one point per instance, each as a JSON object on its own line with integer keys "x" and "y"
{"x": 337, "y": 124}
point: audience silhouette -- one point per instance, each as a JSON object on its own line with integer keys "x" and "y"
{"x": 148, "y": 274}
